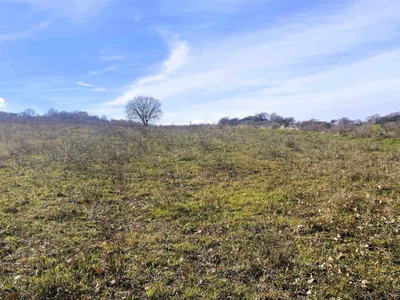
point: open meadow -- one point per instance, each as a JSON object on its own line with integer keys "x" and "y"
{"x": 197, "y": 212}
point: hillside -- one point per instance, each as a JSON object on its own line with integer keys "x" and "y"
{"x": 196, "y": 212}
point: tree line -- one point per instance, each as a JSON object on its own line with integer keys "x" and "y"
{"x": 55, "y": 116}
{"x": 259, "y": 119}
{"x": 144, "y": 110}
{"x": 139, "y": 109}
{"x": 272, "y": 119}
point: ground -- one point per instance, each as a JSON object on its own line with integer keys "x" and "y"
{"x": 200, "y": 212}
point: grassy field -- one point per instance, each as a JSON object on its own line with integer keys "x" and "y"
{"x": 102, "y": 212}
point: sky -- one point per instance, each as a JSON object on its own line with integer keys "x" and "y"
{"x": 203, "y": 59}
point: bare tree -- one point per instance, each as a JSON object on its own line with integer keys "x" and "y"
{"x": 262, "y": 116}
{"x": 274, "y": 117}
{"x": 374, "y": 119}
{"x": 288, "y": 121}
{"x": 51, "y": 113}
{"x": 144, "y": 109}
{"x": 344, "y": 121}
{"x": 28, "y": 113}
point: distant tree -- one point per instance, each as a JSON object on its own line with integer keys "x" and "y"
{"x": 51, "y": 113}
{"x": 357, "y": 122}
{"x": 224, "y": 121}
{"x": 344, "y": 125}
{"x": 144, "y": 109}
{"x": 234, "y": 122}
{"x": 392, "y": 117}
{"x": 344, "y": 121}
{"x": 28, "y": 113}
{"x": 274, "y": 117}
{"x": 248, "y": 119}
{"x": 64, "y": 115}
{"x": 374, "y": 118}
{"x": 7, "y": 116}
{"x": 262, "y": 116}
{"x": 288, "y": 121}
{"x": 80, "y": 115}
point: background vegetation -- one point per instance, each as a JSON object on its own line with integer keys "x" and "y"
{"x": 197, "y": 212}
{"x": 146, "y": 109}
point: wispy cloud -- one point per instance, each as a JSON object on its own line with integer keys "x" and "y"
{"x": 313, "y": 63}
{"x": 92, "y": 87}
{"x": 177, "y": 58}
{"x": 3, "y": 103}
{"x": 106, "y": 58}
{"x": 81, "y": 83}
{"x": 9, "y": 37}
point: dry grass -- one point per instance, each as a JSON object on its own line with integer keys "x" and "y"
{"x": 92, "y": 212}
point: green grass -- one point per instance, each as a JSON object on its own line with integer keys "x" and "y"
{"x": 197, "y": 213}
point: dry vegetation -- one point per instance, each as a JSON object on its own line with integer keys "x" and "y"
{"x": 98, "y": 212}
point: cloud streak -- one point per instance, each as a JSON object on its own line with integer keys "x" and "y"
{"x": 84, "y": 84}
{"x": 92, "y": 87}
{"x": 313, "y": 64}
{"x": 178, "y": 57}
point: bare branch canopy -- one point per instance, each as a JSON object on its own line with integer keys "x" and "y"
{"x": 144, "y": 109}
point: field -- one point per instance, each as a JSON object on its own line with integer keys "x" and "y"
{"x": 200, "y": 212}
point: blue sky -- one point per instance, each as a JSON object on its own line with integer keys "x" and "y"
{"x": 204, "y": 59}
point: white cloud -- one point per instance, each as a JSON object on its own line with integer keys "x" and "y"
{"x": 327, "y": 95}
{"x": 314, "y": 64}
{"x": 3, "y": 102}
{"x": 177, "y": 58}
{"x": 24, "y": 34}
{"x": 106, "y": 58}
{"x": 84, "y": 84}
{"x": 92, "y": 87}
